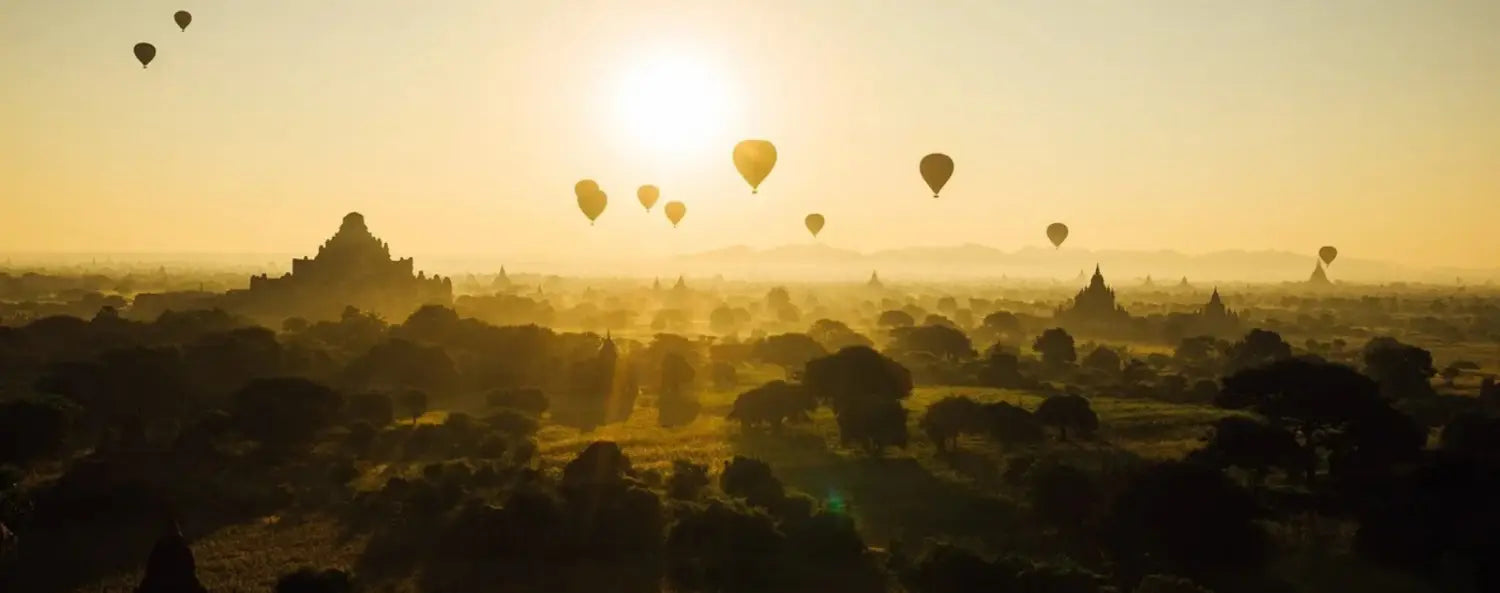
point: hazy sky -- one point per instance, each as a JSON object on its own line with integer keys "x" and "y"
{"x": 460, "y": 126}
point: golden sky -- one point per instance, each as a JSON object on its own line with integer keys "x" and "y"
{"x": 460, "y": 126}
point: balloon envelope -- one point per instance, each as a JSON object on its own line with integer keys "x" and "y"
{"x": 814, "y": 223}
{"x": 648, "y": 194}
{"x": 754, "y": 159}
{"x": 592, "y": 204}
{"x": 145, "y": 52}
{"x": 1327, "y": 253}
{"x": 1057, "y": 233}
{"x": 584, "y": 188}
{"x": 675, "y": 212}
{"x": 936, "y": 169}
{"x": 183, "y": 19}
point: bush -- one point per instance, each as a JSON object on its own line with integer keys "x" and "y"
{"x": 529, "y": 400}
{"x": 310, "y": 580}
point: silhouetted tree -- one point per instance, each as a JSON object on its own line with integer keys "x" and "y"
{"x": 284, "y": 413}
{"x": 1254, "y": 446}
{"x": 377, "y": 409}
{"x": 412, "y": 403}
{"x": 895, "y": 318}
{"x": 723, "y": 375}
{"x": 1002, "y": 369}
{"x": 788, "y": 351}
{"x": 951, "y": 416}
{"x": 942, "y": 341}
{"x": 1068, "y": 411}
{"x": 1064, "y": 496}
{"x": 688, "y": 480}
{"x": 1184, "y": 518}
{"x": 722, "y": 321}
{"x": 772, "y": 404}
{"x": 33, "y": 428}
{"x": 865, "y": 390}
{"x": 835, "y": 336}
{"x": 677, "y": 405}
{"x": 1401, "y": 370}
{"x": 1011, "y": 425}
{"x": 1258, "y": 347}
{"x": 1056, "y": 348}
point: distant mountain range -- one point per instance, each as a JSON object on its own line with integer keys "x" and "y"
{"x": 976, "y": 262}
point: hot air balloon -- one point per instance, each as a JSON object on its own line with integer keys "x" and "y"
{"x": 648, "y": 195}
{"x": 183, "y": 18}
{"x": 1057, "y": 232}
{"x": 1327, "y": 254}
{"x": 592, "y": 204}
{"x": 936, "y": 169}
{"x": 814, "y": 223}
{"x": 145, "y": 52}
{"x": 584, "y": 188}
{"x": 675, "y": 212}
{"x": 754, "y": 159}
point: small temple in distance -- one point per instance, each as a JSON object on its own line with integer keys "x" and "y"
{"x": 353, "y": 268}
{"x": 1319, "y": 277}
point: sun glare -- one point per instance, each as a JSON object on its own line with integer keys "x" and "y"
{"x": 673, "y": 104}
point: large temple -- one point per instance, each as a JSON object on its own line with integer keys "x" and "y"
{"x": 353, "y": 268}
{"x": 1216, "y": 319}
{"x": 1094, "y": 308}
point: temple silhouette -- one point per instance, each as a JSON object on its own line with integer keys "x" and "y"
{"x": 1216, "y": 319}
{"x": 353, "y": 268}
{"x": 1094, "y": 309}
{"x": 1319, "y": 277}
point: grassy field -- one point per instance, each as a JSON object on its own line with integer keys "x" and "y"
{"x": 907, "y": 494}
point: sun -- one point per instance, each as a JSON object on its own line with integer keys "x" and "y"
{"x": 673, "y": 104}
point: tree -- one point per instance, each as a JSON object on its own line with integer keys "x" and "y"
{"x": 835, "y": 336}
{"x": 1328, "y": 406}
{"x": 412, "y": 403}
{"x": 1003, "y": 323}
{"x": 1056, "y": 348}
{"x": 788, "y": 351}
{"x": 772, "y": 404}
{"x": 1063, "y": 496}
{"x": 284, "y": 412}
{"x": 865, "y": 389}
{"x": 942, "y": 341}
{"x": 1002, "y": 370}
{"x": 723, "y": 375}
{"x": 1068, "y": 411}
{"x": 677, "y": 405}
{"x": 1254, "y": 446}
{"x": 1258, "y": 347}
{"x": 403, "y": 364}
{"x": 1103, "y": 359}
{"x": 373, "y": 407}
{"x": 1197, "y": 351}
{"x": 33, "y": 428}
{"x": 1401, "y": 370}
{"x": 895, "y": 318}
{"x": 949, "y": 417}
{"x": 1012, "y": 425}
{"x": 1184, "y": 518}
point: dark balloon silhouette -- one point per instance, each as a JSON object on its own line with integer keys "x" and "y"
{"x": 592, "y": 203}
{"x": 1327, "y": 254}
{"x": 814, "y": 223}
{"x": 648, "y": 194}
{"x": 936, "y": 169}
{"x": 675, "y": 212}
{"x": 145, "y": 52}
{"x": 1057, "y": 233}
{"x": 754, "y": 159}
{"x": 584, "y": 188}
{"x": 183, "y": 19}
